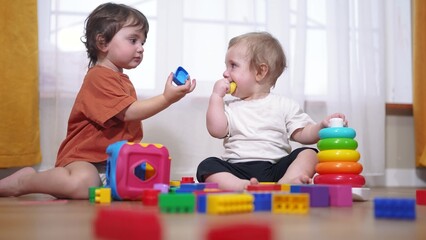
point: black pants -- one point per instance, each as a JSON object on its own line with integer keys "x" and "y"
{"x": 261, "y": 170}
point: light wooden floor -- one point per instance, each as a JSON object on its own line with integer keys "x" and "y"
{"x": 42, "y": 217}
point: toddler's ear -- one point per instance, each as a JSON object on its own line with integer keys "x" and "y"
{"x": 101, "y": 43}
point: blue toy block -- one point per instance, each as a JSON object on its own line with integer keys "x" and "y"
{"x": 180, "y": 76}
{"x": 262, "y": 201}
{"x": 318, "y": 195}
{"x": 295, "y": 188}
{"x": 202, "y": 203}
{"x": 395, "y": 208}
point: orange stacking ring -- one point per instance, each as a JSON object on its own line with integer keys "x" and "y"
{"x": 338, "y": 167}
{"x": 337, "y": 143}
{"x": 338, "y": 155}
{"x": 355, "y": 180}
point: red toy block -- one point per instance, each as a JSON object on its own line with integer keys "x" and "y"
{"x": 264, "y": 187}
{"x": 126, "y": 224}
{"x": 246, "y": 231}
{"x": 421, "y": 196}
{"x": 187, "y": 180}
{"x": 150, "y": 197}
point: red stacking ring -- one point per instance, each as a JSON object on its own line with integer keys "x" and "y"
{"x": 354, "y": 180}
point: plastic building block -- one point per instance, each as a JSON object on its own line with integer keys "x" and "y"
{"x": 180, "y": 76}
{"x": 202, "y": 203}
{"x": 262, "y": 201}
{"x": 99, "y": 195}
{"x": 201, "y": 196}
{"x": 421, "y": 196}
{"x": 126, "y": 161}
{"x": 128, "y": 224}
{"x": 264, "y": 187}
{"x": 290, "y": 203}
{"x": 285, "y": 187}
{"x": 246, "y": 231}
{"x": 189, "y": 187}
{"x": 175, "y": 183}
{"x": 177, "y": 203}
{"x": 164, "y": 188}
{"x": 150, "y": 197}
{"x": 318, "y": 195}
{"x": 187, "y": 180}
{"x": 395, "y": 208}
{"x": 340, "y": 195}
{"x": 92, "y": 194}
{"x": 295, "y": 188}
{"x": 229, "y": 203}
{"x": 103, "y": 195}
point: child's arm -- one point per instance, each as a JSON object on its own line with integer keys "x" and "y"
{"x": 217, "y": 123}
{"x": 143, "y": 109}
{"x": 309, "y": 134}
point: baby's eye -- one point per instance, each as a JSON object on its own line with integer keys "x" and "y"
{"x": 133, "y": 40}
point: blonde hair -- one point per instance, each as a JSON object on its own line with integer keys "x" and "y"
{"x": 263, "y": 48}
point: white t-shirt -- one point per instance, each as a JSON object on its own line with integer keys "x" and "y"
{"x": 260, "y": 130}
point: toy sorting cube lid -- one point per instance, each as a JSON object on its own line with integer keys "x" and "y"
{"x": 180, "y": 76}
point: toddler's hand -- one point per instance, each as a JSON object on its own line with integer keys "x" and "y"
{"x": 326, "y": 122}
{"x": 174, "y": 93}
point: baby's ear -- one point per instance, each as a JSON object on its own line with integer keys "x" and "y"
{"x": 262, "y": 71}
{"x": 101, "y": 43}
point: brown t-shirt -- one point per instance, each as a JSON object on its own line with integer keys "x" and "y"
{"x": 92, "y": 124}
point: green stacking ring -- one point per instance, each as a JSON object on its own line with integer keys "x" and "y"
{"x": 337, "y": 143}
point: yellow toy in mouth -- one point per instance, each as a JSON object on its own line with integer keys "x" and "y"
{"x": 232, "y": 87}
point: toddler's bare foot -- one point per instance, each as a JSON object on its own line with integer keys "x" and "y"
{"x": 9, "y": 186}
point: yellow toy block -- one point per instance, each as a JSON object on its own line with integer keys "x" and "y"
{"x": 297, "y": 203}
{"x": 103, "y": 195}
{"x": 230, "y": 203}
{"x": 285, "y": 187}
{"x": 174, "y": 183}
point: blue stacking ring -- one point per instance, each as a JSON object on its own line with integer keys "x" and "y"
{"x": 337, "y": 132}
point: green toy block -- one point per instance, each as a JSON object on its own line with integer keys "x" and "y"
{"x": 177, "y": 203}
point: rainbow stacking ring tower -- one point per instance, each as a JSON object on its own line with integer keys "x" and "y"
{"x": 338, "y": 156}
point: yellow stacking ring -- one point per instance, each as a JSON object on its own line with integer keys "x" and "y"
{"x": 338, "y": 167}
{"x": 338, "y": 155}
{"x": 337, "y": 143}
{"x": 337, "y": 132}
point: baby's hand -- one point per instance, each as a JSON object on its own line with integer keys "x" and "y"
{"x": 326, "y": 122}
{"x": 221, "y": 87}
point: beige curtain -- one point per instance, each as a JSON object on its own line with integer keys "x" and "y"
{"x": 19, "y": 108}
{"x": 419, "y": 85}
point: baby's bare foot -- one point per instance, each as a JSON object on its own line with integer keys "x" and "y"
{"x": 252, "y": 181}
{"x": 9, "y": 186}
